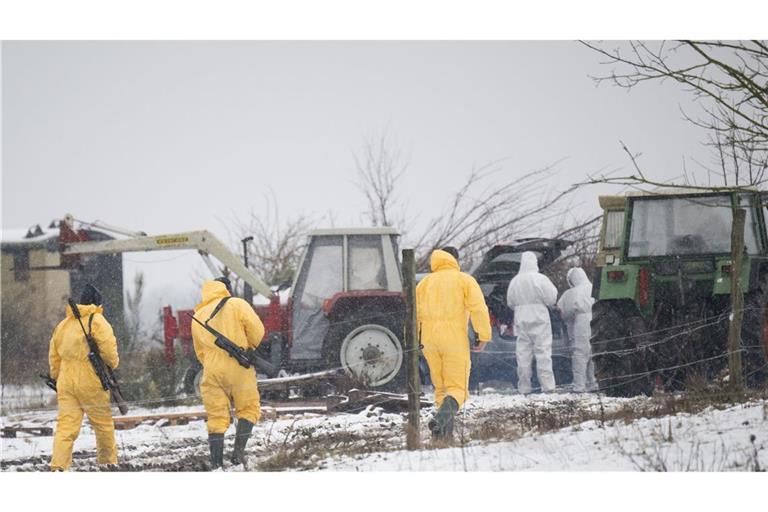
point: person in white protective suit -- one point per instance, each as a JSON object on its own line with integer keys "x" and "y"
{"x": 529, "y": 295}
{"x": 576, "y": 309}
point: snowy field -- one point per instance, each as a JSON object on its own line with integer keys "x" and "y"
{"x": 495, "y": 432}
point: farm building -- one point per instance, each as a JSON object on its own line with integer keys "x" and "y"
{"x": 34, "y": 290}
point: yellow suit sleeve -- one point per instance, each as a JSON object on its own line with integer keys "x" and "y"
{"x": 54, "y": 359}
{"x": 478, "y": 310}
{"x": 254, "y": 329}
{"x": 106, "y": 341}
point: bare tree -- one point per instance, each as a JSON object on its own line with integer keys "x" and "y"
{"x": 380, "y": 167}
{"x": 584, "y": 235}
{"x": 492, "y": 204}
{"x": 277, "y": 244}
{"x": 728, "y": 79}
{"x": 737, "y": 163}
{"x": 484, "y": 211}
{"x": 745, "y": 173}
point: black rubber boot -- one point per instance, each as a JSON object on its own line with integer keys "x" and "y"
{"x": 216, "y": 444}
{"x": 443, "y": 420}
{"x": 243, "y": 433}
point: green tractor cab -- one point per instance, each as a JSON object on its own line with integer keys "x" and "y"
{"x": 662, "y": 289}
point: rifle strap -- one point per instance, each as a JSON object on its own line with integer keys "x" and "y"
{"x": 218, "y": 308}
{"x": 76, "y": 313}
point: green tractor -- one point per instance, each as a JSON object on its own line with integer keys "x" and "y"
{"x": 662, "y": 287}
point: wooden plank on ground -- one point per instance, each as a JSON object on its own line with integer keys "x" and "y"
{"x": 183, "y": 418}
{"x": 9, "y": 432}
{"x": 172, "y": 418}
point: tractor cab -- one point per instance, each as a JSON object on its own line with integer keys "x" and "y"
{"x": 663, "y": 282}
{"x": 346, "y": 306}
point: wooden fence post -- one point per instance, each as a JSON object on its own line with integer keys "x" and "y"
{"x": 413, "y": 438}
{"x": 737, "y": 301}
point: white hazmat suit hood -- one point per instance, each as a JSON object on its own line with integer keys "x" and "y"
{"x": 576, "y": 308}
{"x": 529, "y": 295}
{"x": 528, "y": 263}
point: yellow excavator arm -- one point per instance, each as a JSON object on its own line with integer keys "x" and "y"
{"x": 203, "y": 241}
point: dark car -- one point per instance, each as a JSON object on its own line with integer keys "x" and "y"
{"x": 497, "y": 362}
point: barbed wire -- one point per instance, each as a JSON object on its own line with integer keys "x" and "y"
{"x": 720, "y": 317}
{"x": 633, "y": 377}
{"x": 351, "y": 366}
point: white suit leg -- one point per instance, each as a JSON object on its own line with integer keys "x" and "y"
{"x": 524, "y": 355}
{"x": 542, "y": 348}
{"x": 583, "y": 372}
{"x": 579, "y": 362}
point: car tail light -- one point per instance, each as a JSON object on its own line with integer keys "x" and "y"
{"x": 617, "y": 275}
{"x": 726, "y": 269}
{"x": 643, "y": 281}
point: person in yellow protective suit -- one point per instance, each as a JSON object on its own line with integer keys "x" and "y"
{"x": 224, "y": 380}
{"x": 78, "y": 388}
{"x": 446, "y": 300}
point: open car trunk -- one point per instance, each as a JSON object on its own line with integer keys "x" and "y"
{"x": 502, "y": 263}
{"x": 497, "y": 268}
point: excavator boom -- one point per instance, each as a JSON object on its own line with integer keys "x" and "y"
{"x": 203, "y": 241}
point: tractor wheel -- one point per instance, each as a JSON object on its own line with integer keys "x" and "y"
{"x": 621, "y": 364}
{"x": 754, "y": 336}
{"x": 368, "y": 350}
{"x": 690, "y": 351}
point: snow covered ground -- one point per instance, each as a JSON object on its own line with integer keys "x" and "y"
{"x": 710, "y": 441}
{"x": 496, "y": 432}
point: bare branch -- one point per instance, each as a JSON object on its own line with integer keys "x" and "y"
{"x": 277, "y": 243}
{"x": 728, "y": 78}
{"x": 380, "y": 166}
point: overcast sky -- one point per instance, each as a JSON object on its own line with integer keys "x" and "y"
{"x": 174, "y": 136}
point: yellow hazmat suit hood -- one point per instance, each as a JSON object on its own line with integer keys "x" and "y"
{"x": 441, "y": 260}
{"x": 212, "y": 291}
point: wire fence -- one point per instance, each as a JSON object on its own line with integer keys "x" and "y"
{"x": 616, "y": 380}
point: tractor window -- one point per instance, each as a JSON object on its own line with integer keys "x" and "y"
{"x": 323, "y": 279}
{"x": 679, "y": 226}
{"x": 614, "y": 225}
{"x": 366, "y": 263}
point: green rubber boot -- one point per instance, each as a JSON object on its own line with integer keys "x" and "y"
{"x": 442, "y": 424}
{"x": 216, "y": 445}
{"x": 244, "y": 429}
